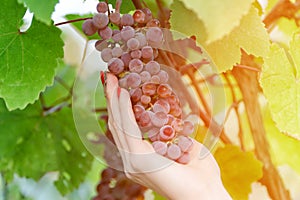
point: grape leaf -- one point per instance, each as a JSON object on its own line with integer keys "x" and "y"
{"x": 126, "y": 6}
{"x": 237, "y": 165}
{"x": 32, "y": 144}
{"x": 280, "y": 81}
{"x": 42, "y": 9}
{"x": 250, "y": 35}
{"x": 219, "y": 17}
{"x": 27, "y": 59}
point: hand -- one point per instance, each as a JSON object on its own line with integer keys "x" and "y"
{"x": 199, "y": 179}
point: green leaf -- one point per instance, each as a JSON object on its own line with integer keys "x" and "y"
{"x": 280, "y": 80}
{"x": 42, "y": 9}
{"x": 219, "y": 17}
{"x": 250, "y": 35}
{"x": 235, "y": 164}
{"x": 27, "y": 59}
{"x": 126, "y": 6}
{"x": 32, "y": 144}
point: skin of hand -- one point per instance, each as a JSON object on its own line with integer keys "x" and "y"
{"x": 199, "y": 179}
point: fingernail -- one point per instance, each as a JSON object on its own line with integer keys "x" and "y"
{"x": 102, "y": 77}
{"x": 119, "y": 92}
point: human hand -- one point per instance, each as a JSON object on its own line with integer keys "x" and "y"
{"x": 199, "y": 179}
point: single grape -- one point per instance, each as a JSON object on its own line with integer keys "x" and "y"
{"x": 153, "y": 134}
{"x": 136, "y": 65}
{"x": 88, "y": 27}
{"x": 117, "y": 52}
{"x": 159, "y": 119}
{"x": 133, "y": 44}
{"x": 145, "y": 76}
{"x": 106, "y": 54}
{"x": 103, "y": 188}
{"x": 126, "y": 58}
{"x": 164, "y": 90}
{"x": 142, "y": 39}
{"x": 100, "y": 20}
{"x": 139, "y": 16}
{"x": 147, "y": 52}
{"x": 184, "y": 158}
{"x": 148, "y": 14}
{"x": 161, "y": 105}
{"x": 173, "y": 152}
{"x": 133, "y": 80}
{"x": 135, "y": 94}
{"x": 101, "y": 44}
{"x": 116, "y": 35}
{"x": 188, "y": 128}
{"x": 105, "y": 33}
{"x": 160, "y": 147}
{"x": 171, "y": 118}
{"x": 177, "y": 124}
{"x": 136, "y": 54}
{"x": 153, "y": 23}
{"x": 115, "y": 18}
{"x": 127, "y": 20}
{"x": 102, "y": 7}
{"x": 163, "y": 76}
{"x": 149, "y": 89}
{"x": 166, "y": 133}
{"x": 155, "y": 79}
{"x": 123, "y": 82}
{"x": 127, "y": 32}
{"x": 107, "y": 174}
{"x": 154, "y": 35}
{"x": 115, "y": 66}
{"x": 152, "y": 67}
{"x": 145, "y": 119}
{"x": 176, "y": 110}
{"x": 185, "y": 143}
{"x": 145, "y": 99}
{"x": 138, "y": 110}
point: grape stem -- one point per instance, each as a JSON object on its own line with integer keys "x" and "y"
{"x": 71, "y": 21}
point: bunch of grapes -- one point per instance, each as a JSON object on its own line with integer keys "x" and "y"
{"x": 130, "y": 52}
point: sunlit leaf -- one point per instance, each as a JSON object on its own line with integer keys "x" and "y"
{"x": 238, "y": 170}
{"x": 280, "y": 80}
{"x": 219, "y": 17}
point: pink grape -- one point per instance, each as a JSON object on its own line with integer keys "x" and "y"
{"x": 155, "y": 79}
{"x": 127, "y": 32}
{"x": 138, "y": 110}
{"x": 145, "y": 99}
{"x": 142, "y": 39}
{"x": 139, "y": 16}
{"x": 135, "y": 94}
{"x": 153, "y": 23}
{"x": 164, "y": 90}
{"x": 176, "y": 110}
{"x": 88, "y": 27}
{"x": 115, "y": 18}
{"x": 117, "y": 52}
{"x": 171, "y": 118}
{"x": 161, "y": 106}
{"x": 153, "y": 134}
{"x": 149, "y": 89}
{"x": 184, "y": 158}
{"x": 166, "y": 132}
{"x": 133, "y": 44}
{"x": 127, "y": 20}
{"x": 136, "y": 54}
{"x": 105, "y": 33}
{"x": 133, "y": 80}
{"x": 185, "y": 143}
{"x": 147, "y": 52}
{"x": 145, "y": 119}
{"x": 101, "y": 44}
{"x": 154, "y": 35}
{"x": 136, "y": 65}
{"x": 163, "y": 76}
{"x": 160, "y": 147}
{"x": 152, "y": 67}
{"x": 116, "y": 35}
{"x": 177, "y": 124}
{"x": 100, "y": 20}
{"x": 102, "y": 7}
{"x": 148, "y": 14}
{"x": 145, "y": 76}
{"x": 173, "y": 152}
{"x": 123, "y": 82}
{"x": 188, "y": 128}
{"x": 126, "y": 58}
{"x": 115, "y": 66}
{"x": 159, "y": 119}
{"x": 106, "y": 54}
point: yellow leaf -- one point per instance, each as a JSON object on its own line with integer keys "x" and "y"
{"x": 249, "y": 35}
{"x": 280, "y": 80}
{"x": 219, "y": 17}
{"x": 238, "y": 170}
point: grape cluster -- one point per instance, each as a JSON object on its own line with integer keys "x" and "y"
{"x": 130, "y": 53}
